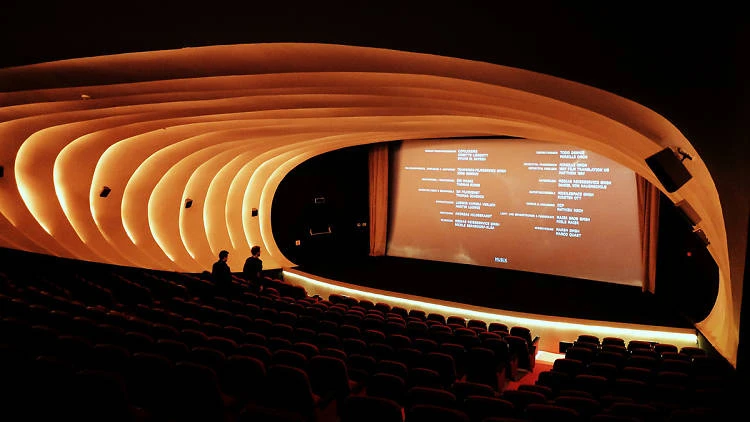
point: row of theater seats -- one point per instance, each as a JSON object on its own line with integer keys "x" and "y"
{"x": 269, "y": 356}
{"x": 638, "y": 379}
{"x": 125, "y": 342}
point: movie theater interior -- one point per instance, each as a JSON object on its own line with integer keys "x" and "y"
{"x": 464, "y": 211}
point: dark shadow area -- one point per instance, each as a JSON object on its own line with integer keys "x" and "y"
{"x": 505, "y": 289}
{"x": 320, "y": 209}
{"x": 687, "y": 276}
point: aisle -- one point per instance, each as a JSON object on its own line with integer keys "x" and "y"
{"x": 544, "y": 361}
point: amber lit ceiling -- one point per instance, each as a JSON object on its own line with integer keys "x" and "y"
{"x": 222, "y": 125}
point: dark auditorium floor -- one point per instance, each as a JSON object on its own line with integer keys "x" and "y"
{"x": 504, "y": 289}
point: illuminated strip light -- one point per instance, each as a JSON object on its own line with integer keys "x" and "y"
{"x": 548, "y": 357}
{"x": 487, "y": 316}
{"x": 9, "y": 218}
{"x": 63, "y": 199}
{"x": 162, "y": 245}
{"x": 28, "y": 198}
{"x": 128, "y": 232}
{"x": 155, "y": 233}
{"x": 95, "y": 217}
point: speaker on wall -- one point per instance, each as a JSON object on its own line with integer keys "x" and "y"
{"x": 688, "y": 213}
{"x": 188, "y": 203}
{"x": 254, "y": 212}
{"x": 701, "y": 235}
{"x": 105, "y": 191}
{"x": 2, "y": 171}
{"x": 668, "y": 169}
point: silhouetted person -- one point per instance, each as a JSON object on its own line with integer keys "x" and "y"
{"x": 222, "y": 275}
{"x": 253, "y": 267}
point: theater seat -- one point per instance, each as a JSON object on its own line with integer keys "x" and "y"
{"x": 434, "y": 396}
{"x": 433, "y": 413}
{"x": 150, "y": 383}
{"x": 465, "y": 389}
{"x": 586, "y": 407}
{"x": 481, "y": 367}
{"x": 479, "y": 408}
{"x": 101, "y": 396}
{"x": 288, "y": 388}
{"x": 329, "y": 379}
{"x": 522, "y": 399}
{"x": 546, "y": 412}
{"x": 521, "y": 350}
{"x": 370, "y": 409}
{"x": 244, "y": 378}
{"x": 388, "y": 386}
{"x": 197, "y": 395}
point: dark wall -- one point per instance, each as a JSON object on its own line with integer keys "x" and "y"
{"x": 329, "y": 191}
{"x": 687, "y": 277}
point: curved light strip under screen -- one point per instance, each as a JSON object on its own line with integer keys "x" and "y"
{"x": 294, "y": 100}
{"x": 551, "y": 330}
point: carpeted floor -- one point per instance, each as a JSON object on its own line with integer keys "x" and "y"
{"x": 544, "y": 361}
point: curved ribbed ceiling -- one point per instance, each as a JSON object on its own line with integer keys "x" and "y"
{"x": 223, "y": 125}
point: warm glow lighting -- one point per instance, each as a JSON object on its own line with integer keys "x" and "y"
{"x": 95, "y": 216}
{"x": 47, "y": 229}
{"x": 28, "y": 198}
{"x": 209, "y": 223}
{"x": 183, "y": 236}
{"x": 601, "y": 330}
{"x": 127, "y": 231}
{"x": 162, "y": 245}
{"x": 61, "y": 197}
{"x": 8, "y": 217}
{"x": 548, "y": 357}
{"x": 234, "y": 120}
{"x": 154, "y": 207}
